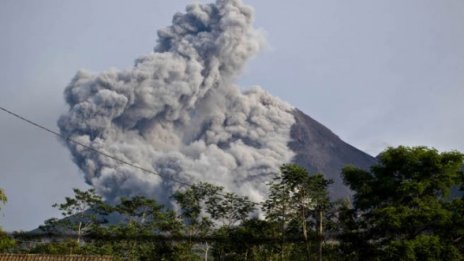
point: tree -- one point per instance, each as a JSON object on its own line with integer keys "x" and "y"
{"x": 135, "y": 221}
{"x": 246, "y": 241}
{"x": 230, "y": 208}
{"x": 295, "y": 197}
{"x": 202, "y": 205}
{"x": 193, "y": 203}
{"x": 401, "y": 209}
{"x": 232, "y": 211}
{"x": 80, "y": 213}
{"x": 3, "y": 198}
{"x": 5, "y": 241}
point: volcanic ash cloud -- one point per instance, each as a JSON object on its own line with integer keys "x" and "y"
{"x": 178, "y": 113}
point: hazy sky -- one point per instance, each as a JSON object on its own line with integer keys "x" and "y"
{"x": 377, "y": 73}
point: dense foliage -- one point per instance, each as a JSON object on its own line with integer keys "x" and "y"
{"x": 6, "y": 242}
{"x": 401, "y": 209}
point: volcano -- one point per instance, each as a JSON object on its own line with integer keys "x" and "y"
{"x": 319, "y": 150}
{"x": 179, "y": 113}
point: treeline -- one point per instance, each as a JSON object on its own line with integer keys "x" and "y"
{"x": 409, "y": 206}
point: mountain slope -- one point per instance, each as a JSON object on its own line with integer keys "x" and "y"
{"x": 319, "y": 150}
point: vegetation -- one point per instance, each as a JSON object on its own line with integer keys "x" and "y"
{"x": 401, "y": 209}
{"x": 296, "y": 206}
{"x": 3, "y": 198}
{"x": 6, "y": 242}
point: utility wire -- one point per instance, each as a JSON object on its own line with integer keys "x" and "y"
{"x": 90, "y": 148}
{"x": 95, "y": 150}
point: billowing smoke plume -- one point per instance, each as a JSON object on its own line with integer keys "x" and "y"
{"x": 177, "y": 112}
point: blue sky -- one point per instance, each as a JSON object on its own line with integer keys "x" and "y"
{"x": 377, "y": 73}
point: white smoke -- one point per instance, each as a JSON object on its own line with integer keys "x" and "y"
{"x": 178, "y": 112}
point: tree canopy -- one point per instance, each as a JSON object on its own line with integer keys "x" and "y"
{"x": 401, "y": 207}
{"x": 3, "y": 198}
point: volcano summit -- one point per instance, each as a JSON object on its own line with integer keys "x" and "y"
{"x": 178, "y": 112}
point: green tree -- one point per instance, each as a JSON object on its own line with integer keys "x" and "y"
{"x": 5, "y": 241}
{"x": 230, "y": 208}
{"x": 299, "y": 199}
{"x": 232, "y": 211}
{"x": 64, "y": 247}
{"x": 401, "y": 208}
{"x": 246, "y": 241}
{"x": 143, "y": 217}
{"x": 193, "y": 203}
{"x": 80, "y": 213}
{"x": 3, "y": 198}
{"x": 135, "y": 223}
{"x": 204, "y": 205}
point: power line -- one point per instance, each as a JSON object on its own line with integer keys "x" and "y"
{"x": 95, "y": 150}
{"x": 90, "y": 148}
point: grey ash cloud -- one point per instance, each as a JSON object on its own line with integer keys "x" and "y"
{"x": 179, "y": 113}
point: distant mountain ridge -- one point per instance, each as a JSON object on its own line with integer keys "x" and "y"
{"x": 319, "y": 150}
